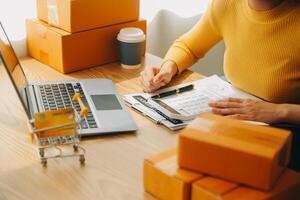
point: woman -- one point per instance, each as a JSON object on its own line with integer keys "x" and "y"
{"x": 262, "y": 57}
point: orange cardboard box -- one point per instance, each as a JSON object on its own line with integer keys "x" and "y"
{"x": 81, "y": 15}
{"x": 287, "y": 188}
{"x": 209, "y": 188}
{"x": 67, "y": 52}
{"x": 164, "y": 180}
{"x": 233, "y": 150}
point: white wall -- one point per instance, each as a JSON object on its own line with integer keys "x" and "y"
{"x": 183, "y": 8}
{"x": 12, "y": 15}
{"x": 14, "y": 12}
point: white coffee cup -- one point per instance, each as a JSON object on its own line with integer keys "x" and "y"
{"x": 131, "y": 45}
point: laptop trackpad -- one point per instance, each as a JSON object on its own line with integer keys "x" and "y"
{"x": 106, "y": 102}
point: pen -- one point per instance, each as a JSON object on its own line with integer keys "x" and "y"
{"x": 173, "y": 92}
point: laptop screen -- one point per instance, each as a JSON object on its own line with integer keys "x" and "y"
{"x": 11, "y": 63}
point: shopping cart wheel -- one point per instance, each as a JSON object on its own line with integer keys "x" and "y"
{"x": 44, "y": 162}
{"x": 82, "y": 159}
{"x": 42, "y": 153}
{"x": 75, "y": 147}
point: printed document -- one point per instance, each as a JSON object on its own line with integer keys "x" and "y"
{"x": 195, "y": 101}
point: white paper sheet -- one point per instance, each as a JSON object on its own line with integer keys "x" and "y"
{"x": 195, "y": 101}
{"x": 205, "y": 91}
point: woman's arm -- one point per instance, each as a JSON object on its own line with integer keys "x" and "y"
{"x": 291, "y": 113}
{"x": 185, "y": 51}
{"x": 261, "y": 111}
{"x": 193, "y": 45}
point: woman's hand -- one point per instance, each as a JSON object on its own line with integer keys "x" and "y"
{"x": 248, "y": 109}
{"x": 153, "y": 78}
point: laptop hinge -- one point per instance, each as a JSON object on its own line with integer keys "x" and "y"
{"x": 31, "y": 99}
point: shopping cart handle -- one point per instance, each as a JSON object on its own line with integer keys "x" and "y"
{"x": 84, "y": 109}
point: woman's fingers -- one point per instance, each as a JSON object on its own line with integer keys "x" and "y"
{"x": 149, "y": 86}
{"x": 154, "y": 78}
{"x": 147, "y": 80}
{"x": 246, "y": 109}
{"x": 227, "y": 111}
{"x": 231, "y": 106}
{"x": 236, "y": 100}
{"x": 146, "y": 88}
{"x": 148, "y": 75}
{"x": 225, "y": 104}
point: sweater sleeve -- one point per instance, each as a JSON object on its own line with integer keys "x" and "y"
{"x": 194, "y": 44}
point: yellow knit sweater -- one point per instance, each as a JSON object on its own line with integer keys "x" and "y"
{"x": 262, "y": 54}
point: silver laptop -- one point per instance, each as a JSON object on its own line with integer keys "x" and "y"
{"x": 107, "y": 115}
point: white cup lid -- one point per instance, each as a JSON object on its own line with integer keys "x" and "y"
{"x": 131, "y": 35}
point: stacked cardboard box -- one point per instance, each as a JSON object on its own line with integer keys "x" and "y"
{"x": 219, "y": 158}
{"x": 237, "y": 151}
{"x": 165, "y": 180}
{"x": 78, "y": 34}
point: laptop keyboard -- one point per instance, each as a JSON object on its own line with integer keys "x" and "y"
{"x": 59, "y": 96}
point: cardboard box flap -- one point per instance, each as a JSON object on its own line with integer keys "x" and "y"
{"x": 164, "y": 180}
{"x": 212, "y": 188}
{"x": 167, "y": 163}
{"x": 161, "y": 156}
{"x": 216, "y": 186}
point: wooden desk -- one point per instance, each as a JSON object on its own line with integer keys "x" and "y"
{"x": 113, "y": 169}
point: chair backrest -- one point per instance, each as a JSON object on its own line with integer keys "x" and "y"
{"x": 166, "y": 27}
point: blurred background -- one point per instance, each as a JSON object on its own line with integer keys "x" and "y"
{"x": 167, "y": 20}
{"x": 14, "y": 12}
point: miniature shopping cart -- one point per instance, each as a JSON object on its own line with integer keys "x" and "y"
{"x": 56, "y": 131}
